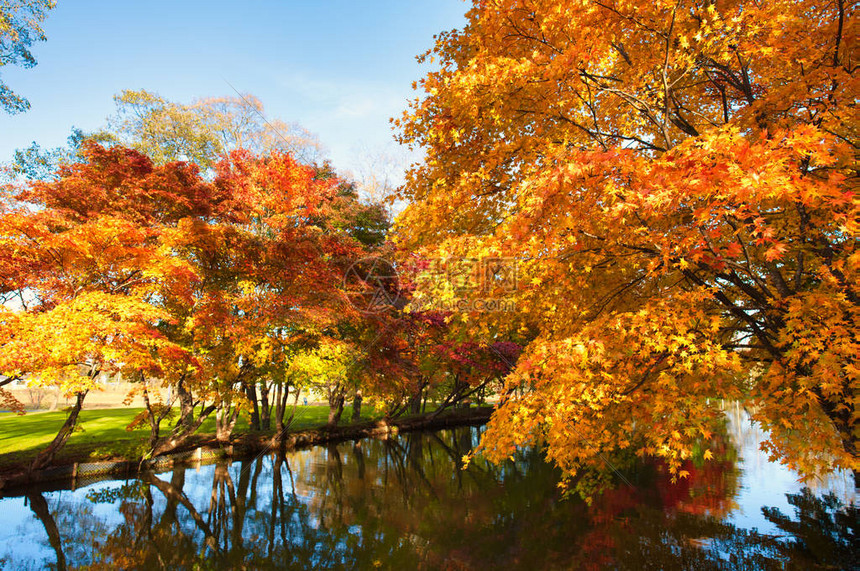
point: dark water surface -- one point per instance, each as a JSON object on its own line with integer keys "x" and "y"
{"x": 405, "y": 503}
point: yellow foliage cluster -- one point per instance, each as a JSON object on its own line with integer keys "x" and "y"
{"x": 678, "y": 182}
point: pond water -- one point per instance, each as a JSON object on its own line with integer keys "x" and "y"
{"x": 405, "y": 503}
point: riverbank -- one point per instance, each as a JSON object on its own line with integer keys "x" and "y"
{"x": 103, "y": 434}
{"x": 205, "y": 449}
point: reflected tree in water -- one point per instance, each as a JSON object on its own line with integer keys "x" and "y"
{"x": 407, "y": 502}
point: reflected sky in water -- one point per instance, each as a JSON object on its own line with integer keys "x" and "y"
{"x": 766, "y": 483}
{"x": 405, "y": 502}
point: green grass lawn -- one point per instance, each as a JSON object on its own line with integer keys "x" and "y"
{"x": 101, "y": 433}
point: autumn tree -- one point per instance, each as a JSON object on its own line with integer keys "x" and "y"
{"x": 268, "y": 264}
{"x": 412, "y": 358}
{"x": 188, "y": 286}
{"x": 20, "y": 26}
{"x": 678, "y": 180}
{"x": 204, "y": 130}
{"x": 328, "y": 354}
{"x": 365, "y": 220}
{"x": 471, "y": 370}
{"x": 327, "y": 367}
{"x": 83, "y": 268}
{"x": 264, "y": 270}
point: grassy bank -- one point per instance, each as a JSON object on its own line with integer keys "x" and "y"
{"x": 102, "y": 433}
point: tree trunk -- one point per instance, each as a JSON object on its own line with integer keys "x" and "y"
{"x": 251, "y": 392}
{"x": 181, "y": 434}
{"x": 458, "y": 390}
{"x": 356, "y": 406}
{"x": 281, "y": 425}
{"x": 335, "y": 408}
{"x": 282, "y": 393}
{"x": 415, "y": 403}
{"x": 154, "y": 421}
{"x": 280, "y": 404}
{"x": 186, "y": 403}
{"x": 225, "y": 421}
{"x": 46, "y": 456}
{"x": 265, "y": 408}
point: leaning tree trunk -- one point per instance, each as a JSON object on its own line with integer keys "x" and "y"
{"x": 335, "y": 408}
{"x": 181, "y": 434}
{"x": 154, "y": 420}
{"x": 356, "y": 406}
{"x": 46, "y": 456}
{"x": 186, "y": 403}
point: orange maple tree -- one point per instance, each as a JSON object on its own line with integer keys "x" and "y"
{"x": 183, "y": 285}
{"x": 264, "y": 268}
{"x": 678, "y": 181}
{"x": 83, "y": 269}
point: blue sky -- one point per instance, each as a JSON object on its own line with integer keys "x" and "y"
{"x": 339, "y": 68}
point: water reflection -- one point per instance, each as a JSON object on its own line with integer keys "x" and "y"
{"x": 406, "y": 503}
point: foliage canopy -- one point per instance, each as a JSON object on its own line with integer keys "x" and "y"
{"x": 678, "y": 180}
